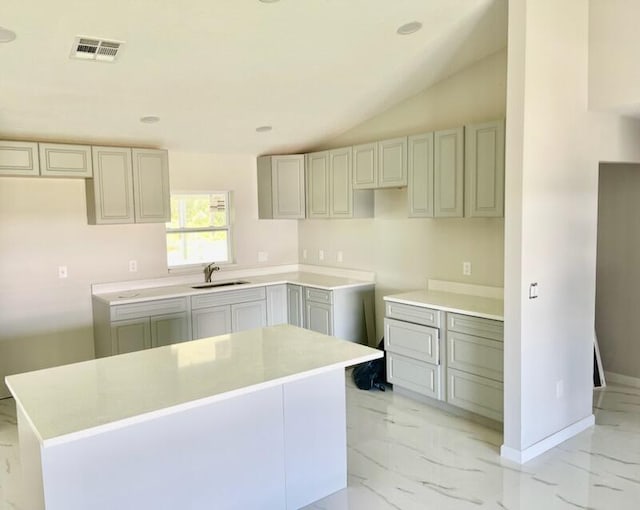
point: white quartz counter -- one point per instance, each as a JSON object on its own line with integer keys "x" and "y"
{"x": 488, "y": 308}
{"x": 81, "y": 399}
{"x": 320, "y": 281}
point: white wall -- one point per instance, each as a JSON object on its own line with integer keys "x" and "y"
{"x": 554, "y": 146}
{"x": 402, "y": 251}
{"x": 614, "y": 38}
{"x": 45, "y": 321}
{"x": 618, "y": 272}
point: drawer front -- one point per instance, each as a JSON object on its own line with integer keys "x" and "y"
{"x": 318, "y": 295}
{"x": 414, "y": 375}
{"x": 415, "y": 314}
{"x": 412, "y": 340}
{"x": 476, "y": 394}
{"x": 475, "y": 355}
{"x": 227, "y": 297}
{"x": 476, "y": 326}
{"x": 149, "y": 308}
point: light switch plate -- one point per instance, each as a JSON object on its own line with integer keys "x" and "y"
{"x": 263, "y": 256}
{"x": 62, "y": 272}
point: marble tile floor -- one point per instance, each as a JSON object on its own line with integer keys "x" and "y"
{"x": 405, "y": 455}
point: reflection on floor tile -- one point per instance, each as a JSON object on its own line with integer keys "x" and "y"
{"x": 406, "y": 455}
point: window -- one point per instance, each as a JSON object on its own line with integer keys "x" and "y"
{"x": 199, "y": 231}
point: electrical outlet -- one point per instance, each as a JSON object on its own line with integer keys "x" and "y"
{"x": 304, "y": 254}
{"x": 466, "y": 268}
{"x": 263, "y": 256}
{"x": 560, "y": 389}
{"x": 320, "y": 254}
{"x": 62, "y": 272}
{"x": 133, "y": 266}
{"x": 339, "y": 256}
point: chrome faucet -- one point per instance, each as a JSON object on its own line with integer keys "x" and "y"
{"x": 208, "y": 271}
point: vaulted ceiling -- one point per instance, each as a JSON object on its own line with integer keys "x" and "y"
{"x": 215, "y": 70}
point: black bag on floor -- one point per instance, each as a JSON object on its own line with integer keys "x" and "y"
{"x": 371, "y": 374}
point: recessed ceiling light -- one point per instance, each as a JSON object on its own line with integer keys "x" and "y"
{"x": 263, "y": 129}
{"x": 269, "y": 1}
{"x": 409, "y": 28}
{"x": 6, "y": 35}
{"x": 150, "y": 119}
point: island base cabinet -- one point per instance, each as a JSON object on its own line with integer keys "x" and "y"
{"x": 193, "y": 457}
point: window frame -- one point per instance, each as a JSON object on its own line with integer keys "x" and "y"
{"x": 228, "y": 229}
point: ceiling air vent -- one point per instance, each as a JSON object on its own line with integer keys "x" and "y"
{"x": 90, "y": 48}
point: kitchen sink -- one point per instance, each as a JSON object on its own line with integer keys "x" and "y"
{"x": 218, "y": 284}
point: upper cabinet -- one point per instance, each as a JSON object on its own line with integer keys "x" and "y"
{"x": 330, "y": 192}
{"x": 65, "y": 160}
{"x": 380, "y": 164}
{"x": 484, "y": 169}
{"x": 19, "y": 158}
{"x": 420, "y": 188}
{"x": 448, "y": 173}
{"x": 128, "y": 186}
{"x": 281, "y": 190}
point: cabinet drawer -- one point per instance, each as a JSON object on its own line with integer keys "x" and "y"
{"x": 486, "y": 328}
{"x": 475, "y": 355}
{"x": 476, "y": 394}
{"x": 415, "y": 314}
{"x": 149, "y": 308}
{"x": 412, "y": 340}
{"x": 227, "y": 297}
{"x": 414, "y": 375}
{"x": 318, "y": 295}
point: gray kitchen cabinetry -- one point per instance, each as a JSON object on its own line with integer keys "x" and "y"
{"x": 380, "y": 164}
{"x": 295, "y": 305}
{"x": 330, "y": 192}
{"x": 281, "y": 189}
{"x": 19, "y": 158}
{"x": 128, "y": 186}
{"x": 65, "y": 160}
{"x": 475, "y": 364}
{"x": 420, "y": 188}
{"x": 484, "y": 169}
{"x": 216, "y": 313}
{"x": 413, "y": 343}
{"x": 276, "y": 304}
{"x": 340, "y": 312}
{"x": 135, "y": 326}
{"x": 448, "y": 173}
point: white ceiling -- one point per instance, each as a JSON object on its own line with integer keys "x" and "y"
{"x": 214, "y": 70}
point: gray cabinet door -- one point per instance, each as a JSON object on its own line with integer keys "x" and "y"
{"x": 110, "y": 192}
{"x": 484, "y": 169}
{"x": 65, "y": 160}
{"x": 276, "y": 304}
{"x": 365, "y": 166}
{"x": 295, "y": 312}
{"x": 151, "y": 186}
{"x": 448, "y": 173}
{"x": 212, "y": 321}
{"x": 19, "y": 158}
{"x": 319, "y": 317}
{"x": 317, "y": 177}
{"x": 340, "y": 184}
{"x": 420, "y": 190}
{"x": 288, "y": 187}
{"x": 131, "y": 335}
{"x": 392, "y": 163}
{"x": 170, "y": 329}
{"x": 248, "y": 315}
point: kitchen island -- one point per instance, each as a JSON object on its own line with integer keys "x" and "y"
{"x": 254, "y": 419}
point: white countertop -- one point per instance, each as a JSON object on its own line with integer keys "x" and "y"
{"x": 85, "y": 398}
{"x": 478, "y": 306}
{"x": 321, "y": 281}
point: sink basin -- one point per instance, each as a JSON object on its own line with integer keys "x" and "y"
{"x": 218, "y": 284}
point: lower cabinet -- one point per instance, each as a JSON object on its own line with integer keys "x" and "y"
{"x": 129, "y": 336}
{"x": 466, "y": 370}
{"x": 212, "y": 321}
{"x": 318, "y": 317}
{"x": 248, "y": 315}
{"x": 295, "y": 306}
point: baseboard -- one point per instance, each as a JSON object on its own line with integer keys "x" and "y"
{"x": 623, "y": 380}
{"x": 522, "y": 456}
